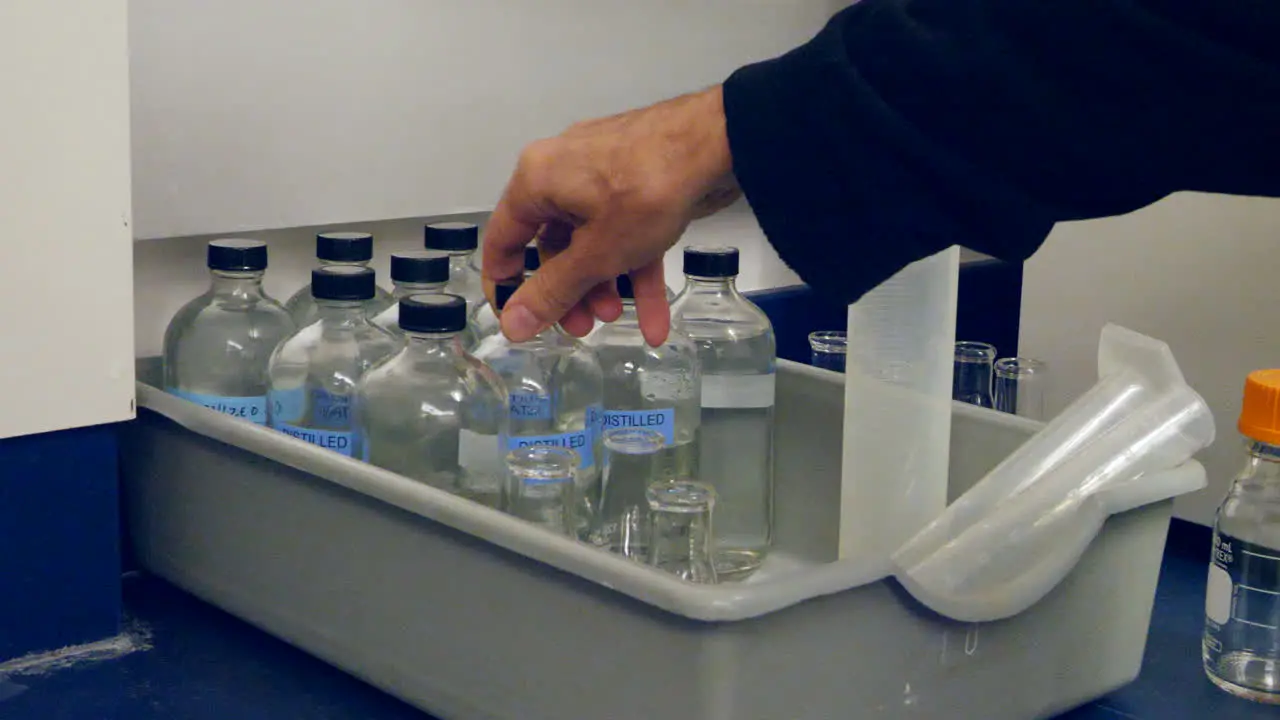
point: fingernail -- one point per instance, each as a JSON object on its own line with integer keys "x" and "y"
{"x": 519, "y": 324}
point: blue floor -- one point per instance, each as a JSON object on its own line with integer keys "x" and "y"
{"x": 206, "y": 664}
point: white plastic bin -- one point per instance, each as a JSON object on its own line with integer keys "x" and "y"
{"x": 468, "y": 613}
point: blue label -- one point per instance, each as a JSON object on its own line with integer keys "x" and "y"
{"x": 253, "y": 409}
{"x": 663, "y": 421}
{"x": 340, "y": 442}
{"x": 579, "y": 442}
{"x": 530, "y": 406}
{"x": 287, "y": 405}
{"x": 330, "y": 410}
{"x": 595, "y": 419}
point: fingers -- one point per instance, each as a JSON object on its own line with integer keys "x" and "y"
{"x": 556, "y": 288}
{"x": 604, "y": 301}
{"x": 651, "y": 302}
{"x": 579, "y": 321}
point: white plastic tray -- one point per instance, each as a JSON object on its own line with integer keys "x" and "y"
{"x": 469, "y": 613}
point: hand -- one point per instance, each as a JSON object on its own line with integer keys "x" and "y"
{"x": 607, "y": 197}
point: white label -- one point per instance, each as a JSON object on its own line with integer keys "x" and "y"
{"x": 1217, "y": 599}
{"x": 738, "y": 391}
{"x": 482, "y": 455}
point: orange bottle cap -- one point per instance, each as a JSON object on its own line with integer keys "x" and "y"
{"x": 1260, "y": 414}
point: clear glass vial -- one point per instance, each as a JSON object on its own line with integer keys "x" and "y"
{"x": 542, "y": 487}
{"x": 313, "y": 373}
{"x": 1019, "y": 386}
{"x": 657, "y": 388}
{"x": 433, "y": 412}
{"x": 681, "y": 531}
{"x": 1241, "y": 645}
{"x": 555, "y": 393}
{"x": 971, "y": 381}
{"x": 338, "y": 249}
{"x": 828, "y": 349}
{"x": 632, "y": 461}
{"x": 460, "y": 241}
{"x": 737, "y": 355}
{"x": 217, "y": 347}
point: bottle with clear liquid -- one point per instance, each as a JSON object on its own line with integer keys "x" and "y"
{"x": 654, "y": 388}
{"x": 1241, "y": 645}
{"x": 313, "y": 373}
{"x": 434, "y": 412}
{"x": 555, "y": 391}
{"x": 422, "y": 272}
{"x": 460, "y": 241}
{"x": 217, "y": 347}
{"x": 738, "y": 358}
{"x": 484, "y": 319}
{"x": 338, "y": 249}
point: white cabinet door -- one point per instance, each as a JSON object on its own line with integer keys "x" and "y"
{"x": 253, "y": 114}
{"x": 66, "y": 286}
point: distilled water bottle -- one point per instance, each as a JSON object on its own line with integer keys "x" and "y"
{"x": 1241, "y": 646}
{"x": 423, "y": 272}
{"x": 656, "y": 388}
{"x": 433, "y": 412}
{"x": 459, "y": 240}
{"x": 737, "y": 356}
{"x": 555, "y": 393}
{"x": 313, "y": 373}
{"x": 217, "y": 346}
{"x": 484, "y": 320}
{"x": 336, "y": 249}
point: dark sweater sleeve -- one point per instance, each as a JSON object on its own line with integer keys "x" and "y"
{"x": 908, "y": 126}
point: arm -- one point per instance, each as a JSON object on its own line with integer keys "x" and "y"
{"x": 907, "y": 126}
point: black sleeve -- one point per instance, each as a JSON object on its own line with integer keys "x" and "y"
{"x": 907, "y": 126}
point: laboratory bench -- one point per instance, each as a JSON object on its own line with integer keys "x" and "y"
{"x": 200, "y": 663}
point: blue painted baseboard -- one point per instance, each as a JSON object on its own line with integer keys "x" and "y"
{"x": 59, "y": 540}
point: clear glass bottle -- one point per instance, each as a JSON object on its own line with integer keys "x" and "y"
{"x": 556, "y": 391}
{"x": 433, "y": 412}
{"x": 737, "y": 355}
{"x": 681, "y": 531}
{"x": 484, "y": 319}
{"x": 1241, "y": 645}
{"x": 338, "y": 249}
{"x": 421, "y": 272}
{"x": 217, "y": 347}
{"x": 313, "y": 373}
{"x": 971, "y": 381}
{"x": 542, "y": 487}
{"x": 460, "y": 240}
{"x": 656, "y": 388}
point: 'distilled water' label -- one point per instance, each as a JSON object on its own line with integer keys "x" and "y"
{"x": 662, "y": 420}
{"x": 339, "y": 441}
{"x": 530, "y": 406}
{"x": 579, "y": 442}
{"x": 330, "y": 416}
{"x": 253, "y": 408}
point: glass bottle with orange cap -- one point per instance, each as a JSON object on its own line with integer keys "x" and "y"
{"x": 1241, "y": 646}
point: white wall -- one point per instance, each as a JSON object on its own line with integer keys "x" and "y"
{"x": 1197, "y": 271}
{"x": 65, "y": 279}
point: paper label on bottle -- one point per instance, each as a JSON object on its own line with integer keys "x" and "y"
{"x": 530, "y": 406}
{"x": 595, "y": 420}
{"x": 252, "y": 408}
{"x": 579, "y": 442}
{"x": 287, "y": 405}
{"x": 339, "y": 441}
{"x": 738, "y": 391}
{"x": 663, "y": 420}
{"x": 330, "y": 410}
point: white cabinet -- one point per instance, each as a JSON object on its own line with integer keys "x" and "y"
{"x": 66, "y": 285}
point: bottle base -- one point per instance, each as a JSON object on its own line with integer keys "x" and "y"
{"x": 1251, "y": 678}
{"x": 734, "y": 565}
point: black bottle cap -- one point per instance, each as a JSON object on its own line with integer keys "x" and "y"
{"x": 532, "y": 260}
{"x": 344, "y": 246}
{"x": 236, "y": 255}
{"x": 439, "y": 313}
{"x": 451, "y": 236}
{"x": 422, "y": 266}
{"x": 503, "y": 291}
{"x": 625, "y": 291}
{"x": 342, "y": 282}
{"x": 711, "y": 262}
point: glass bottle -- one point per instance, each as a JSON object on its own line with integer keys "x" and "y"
{"x": 485, "y": 319}
{"x": 338, "y": 249}
{"x": 971, "y": 382}
{"x": 459, "y": 240}
{"x": 313, "y": 373}
{"x": 433, "y": 412}
{"x": 738, "y": 359}
{"x": 421, "y": 272}
{"x": 217, "y": 347}
{"x": 1241, "y": 645}
{"x": 542, "y": 487}
{"x": 681, "y": 531}
{"x": 555, "y": 394}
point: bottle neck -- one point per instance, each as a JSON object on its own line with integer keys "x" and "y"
{"x": 1264, "y": 460}
{"x": 344, "y": 263}
{"x": 341, "y": 311}
{"x": 243, "y": 285}
{"x": 460, "y": 259}
{"x": 405, "y": 289}
{"x": 717, "y": 286}
{"x": 418, "y": 343}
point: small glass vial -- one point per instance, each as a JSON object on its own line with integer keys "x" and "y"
{"x": 217, "y": 347}
{"x": 542, "y": 487}
{"x": 1241, "y": 646}
{"x": 338, "y": 249}
{"x": 313, "y": 373}
{"x": 433, "y": 412}
{"x": 680, "y": 530}
{"x": 485, "y": 318}
{"x": 460, "y": 240}
{"x": 632, "y": 461}
{"x": 1020, "y": 386}
{"x": 828, "y": 349}
{"x": 971, "y": 382}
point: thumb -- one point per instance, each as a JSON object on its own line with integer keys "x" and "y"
{"x": 559, "y": 285}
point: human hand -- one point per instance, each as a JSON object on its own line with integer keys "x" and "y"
{"x": 607, "y": 197}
